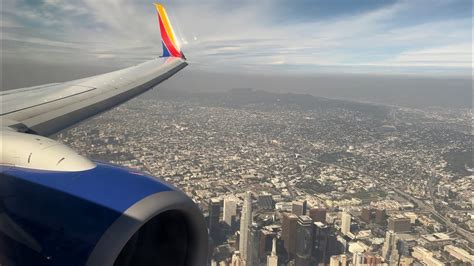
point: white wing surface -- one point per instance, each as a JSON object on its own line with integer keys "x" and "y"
{"x": 47, "y": 109}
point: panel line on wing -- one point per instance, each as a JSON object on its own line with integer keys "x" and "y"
{"x": 48, "y": 102}
{"x": 9, "y": 92}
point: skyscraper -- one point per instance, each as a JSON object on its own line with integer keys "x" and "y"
{"x": 380, "y": 216}
{"x": 230, "y": 210}
{"x": 272, "y": 259}
{"x": 399, "y": 223}
{"x": 265, "y": 244}
{"x": 366, "y": 215}
{"x": 298, "y": 207}
{"x": 245, "y": 222}
{"x": 304, "y": 241}
{"x": 253, "y": 256}
{"x": 214, "y": 207}
{"x": 345, "y": 223}
{"x": 325, "y": 243}
{"x": 288, "y": 233}
{"x": 318, "y": 214}
{"x": 389, "y": 245}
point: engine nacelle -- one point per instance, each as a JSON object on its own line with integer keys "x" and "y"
{"x": 105, "y": 215}
{"x": 37, "y": 152}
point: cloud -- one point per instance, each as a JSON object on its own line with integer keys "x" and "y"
{"x": 447, "y": 56}
{"x": 311, "y": 36}
{"x": 105, "y": 56}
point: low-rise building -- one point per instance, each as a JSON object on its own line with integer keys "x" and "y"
{"x": 425, "y": 256}
{"x": 459, "y": 253}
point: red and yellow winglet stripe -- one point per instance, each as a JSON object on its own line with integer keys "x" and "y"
{"x": 170, "y": 44}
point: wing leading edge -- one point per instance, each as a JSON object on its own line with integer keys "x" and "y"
{"x": 47, "y": 109}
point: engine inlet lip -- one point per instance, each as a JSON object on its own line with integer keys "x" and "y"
{"x": 119, "y": 233}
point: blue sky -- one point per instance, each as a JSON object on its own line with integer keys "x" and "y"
{"x": 367, "y": 36}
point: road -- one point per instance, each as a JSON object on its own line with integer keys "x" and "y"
{"x": 461, "y": 232}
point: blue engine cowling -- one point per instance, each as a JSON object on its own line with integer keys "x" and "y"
{"x": 103, "y": 216}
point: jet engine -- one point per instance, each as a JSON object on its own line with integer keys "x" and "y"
{"x": 59, "y": 208}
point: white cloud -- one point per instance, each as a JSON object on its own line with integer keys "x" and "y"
{"x": 447, "y": 56}
{"x": 105, "y": 56}
{"x": 246, "y": 36}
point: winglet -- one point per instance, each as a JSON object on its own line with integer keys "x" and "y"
{"x": 170, "y": 43}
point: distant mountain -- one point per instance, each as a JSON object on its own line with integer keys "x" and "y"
{"x": 406, "y": 91}
{"x": 242, "y": 97}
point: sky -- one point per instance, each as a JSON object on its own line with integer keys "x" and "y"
{"x": 429, "y": 38}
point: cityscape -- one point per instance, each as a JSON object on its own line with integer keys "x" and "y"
{"x": 293, "y": 179}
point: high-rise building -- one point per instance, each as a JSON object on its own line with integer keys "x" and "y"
{"x": 331, "y": 217}
{"x": 366, "y": 215}
{"x": 214, "y": 207}
{"x": 325, "y": 243}
{"x": 304, "y": 241}
{"x": 230, "y": 210}
{"x": 399, "y": 223}
{"x": 342, "y": 244}
{"x": 253, "y": 256}
{"x": 272, "y": 259}
{"x": 380, "y": 216}
{"x": 387, "y": 244}
{"x": 298, "y": 207}
{"x": 245, "y": 222}
{"x": 346, "y": 220}
{"x": 288, "y": 233}
{"x": 318, "y": 214}
{"x": 265, "y": 243}
{"x": 395, "y": 255}
{"x": 321, "y": 233}
{"x": 390, "y": 248}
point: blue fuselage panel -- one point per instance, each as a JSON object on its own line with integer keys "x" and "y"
{"x": 56, "y": 218}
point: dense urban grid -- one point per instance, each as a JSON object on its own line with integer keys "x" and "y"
{"x": 287, "y": 179}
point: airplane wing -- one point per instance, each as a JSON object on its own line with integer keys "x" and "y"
{"x": 49, "y": 108}
{"x": 60, "y": 208}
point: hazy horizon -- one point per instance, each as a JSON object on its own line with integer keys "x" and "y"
{"x": 401, "y": 90}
